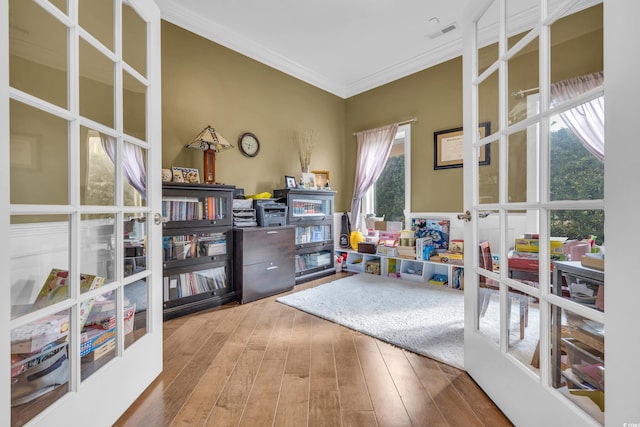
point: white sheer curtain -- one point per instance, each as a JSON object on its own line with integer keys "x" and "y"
{"x": 586, "y": 121}
{"x": 132, "y": 162}
{"x": 374, "y": 146}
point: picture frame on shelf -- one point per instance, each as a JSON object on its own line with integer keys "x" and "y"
{"x": 181, "y": 174}
{"x": 309, "y": 181}
{"x": 448, "y": 147}
{"x": 322, "y": 179}
{"x": 290, "y": 182}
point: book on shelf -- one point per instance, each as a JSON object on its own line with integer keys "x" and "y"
{"x": 195, "y": 282}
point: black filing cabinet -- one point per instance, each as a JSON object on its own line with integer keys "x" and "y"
{"x": 263, "y": 261}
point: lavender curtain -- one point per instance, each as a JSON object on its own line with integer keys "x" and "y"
{"x": 132, "y": 162}
{"x": 374, "y": 147}
{"x": 586, "y": 121}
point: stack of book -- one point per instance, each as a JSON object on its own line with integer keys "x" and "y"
{"x": 407, "y": 246}
{"x": 525, "y": 255}
{"x": 448, "y": 258}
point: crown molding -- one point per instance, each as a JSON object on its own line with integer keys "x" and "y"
{"x": 426, "y": 59}
{"x": 214, "y": 31}
{"x": 177, "y": 14}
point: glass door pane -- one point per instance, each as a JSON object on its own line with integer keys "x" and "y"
{"x": 39, "y": 152}
{"x": 134, "y": 39}
{"x": 546, "y": 194}
{"x": 38, "y": 52}
{"x": 97, "y": 100}
{"x": 78, "y": 120}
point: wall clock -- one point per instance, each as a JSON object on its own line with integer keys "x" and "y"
{"x": 249, "y": 144}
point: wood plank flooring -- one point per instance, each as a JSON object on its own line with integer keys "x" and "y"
{"x": 267, "y": 364}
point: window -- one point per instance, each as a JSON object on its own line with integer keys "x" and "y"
{"x": 99, "y": 178}
{"x": 575, "y": 174}
{"x": 390, "y": 195}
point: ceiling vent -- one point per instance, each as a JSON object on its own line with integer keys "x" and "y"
{"x": 444, "y": 30}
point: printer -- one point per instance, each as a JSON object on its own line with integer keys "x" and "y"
{"x": 270, "y": 213}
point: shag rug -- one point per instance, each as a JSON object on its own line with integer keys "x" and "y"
{"x": 423, "y": 318}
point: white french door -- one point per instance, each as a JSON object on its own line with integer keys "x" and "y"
{"x": 513, "y": 50}
{"x": 81, "y": 140}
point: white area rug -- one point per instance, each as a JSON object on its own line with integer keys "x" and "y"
{"x": 425, "y": 319}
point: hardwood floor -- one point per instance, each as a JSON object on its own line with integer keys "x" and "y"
{"x": 264, "y": 363}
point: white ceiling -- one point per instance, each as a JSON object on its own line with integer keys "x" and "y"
{"x": 342, "y": 46}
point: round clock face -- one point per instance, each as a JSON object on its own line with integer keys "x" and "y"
{"x": 249, "y": 144}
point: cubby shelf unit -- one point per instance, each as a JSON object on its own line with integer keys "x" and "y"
{"x": 406, "y": 269}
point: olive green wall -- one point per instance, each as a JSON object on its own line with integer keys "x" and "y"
{"x": 204, "y": 83}
{"x": 434, "y": 97}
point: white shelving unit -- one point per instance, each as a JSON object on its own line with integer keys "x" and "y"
{"x": 406, "y": 269}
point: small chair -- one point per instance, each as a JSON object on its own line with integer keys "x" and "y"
{"x": 487, "y": 287}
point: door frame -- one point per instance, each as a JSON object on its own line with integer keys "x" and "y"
{"x": 505, "y": 380}
{"x": 106, "y": 394}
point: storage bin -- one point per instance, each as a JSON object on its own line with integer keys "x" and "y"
{"x": 412, "y": 270}
{"x": 372, "y": 267}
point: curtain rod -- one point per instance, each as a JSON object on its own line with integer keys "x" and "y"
{"x": 523, "y": 91}
{"x": 404, "y": 122}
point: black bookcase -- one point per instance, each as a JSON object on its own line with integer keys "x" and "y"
{"x": 311, "y": 212}
{"x": 197, "y": 244}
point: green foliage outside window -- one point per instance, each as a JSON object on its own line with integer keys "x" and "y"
{"x": 390, "y": 190}
{"x": 575, "y": 175}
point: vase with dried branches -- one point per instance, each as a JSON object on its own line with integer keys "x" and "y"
{"x": 304, "y": 140}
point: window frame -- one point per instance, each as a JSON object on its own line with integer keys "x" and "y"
{"x": 403, "y": 135}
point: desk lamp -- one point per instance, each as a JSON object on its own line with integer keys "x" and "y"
{"x": 211, "y": 142}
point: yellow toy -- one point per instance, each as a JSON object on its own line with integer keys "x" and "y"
{"x": 354, "y": 238}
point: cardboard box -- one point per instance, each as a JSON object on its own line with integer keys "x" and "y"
{"x": 448, "y": 258}
{"x": 556, "y": 245}
{"x": 92, "y": 339}
{"x": 524, "y": 263}
{"x": 100, "y": 351}
{"x": 389, "y": 235}
{"x": 456, "y": 246}
{"x": 532, "y": 245}
{"x": 388, "y": 225}
{"x": 387, "y": 250}
{"x": 366, "y": 248}
{"x": 527, "y": 245}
